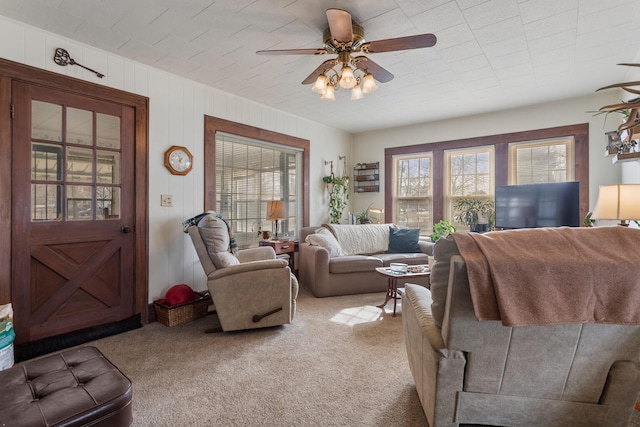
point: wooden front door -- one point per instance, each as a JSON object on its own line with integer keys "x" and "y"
{"x": 73, "y": 198}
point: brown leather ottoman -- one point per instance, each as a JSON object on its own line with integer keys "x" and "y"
{"x": 76, "y": 387}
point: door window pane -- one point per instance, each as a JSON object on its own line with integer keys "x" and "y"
{"x": 107, "y": 167}
{"x": 46, "y": 162}
{"x": 79, "y": 202}
{"x": 79, "y": 126}
{"x": 108, "y": 202}
{"x": 107, "y": 131}
{"x": 46, "y": 121}
{"x": 79, "y": 164}
{"x": 45, "y": 202}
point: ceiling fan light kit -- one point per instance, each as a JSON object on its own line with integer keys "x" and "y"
{"x": 345, "y": 37}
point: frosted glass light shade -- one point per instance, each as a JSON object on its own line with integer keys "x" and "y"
{"x": 347, "y": 80}
{"x": 369, "y": 84}
{"x": 329, "y": 94}
{"x": 320, "y": 86}
{"x": 356, "y": 93}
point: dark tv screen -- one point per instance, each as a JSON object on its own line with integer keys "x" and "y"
{"x": 538, "y": 205}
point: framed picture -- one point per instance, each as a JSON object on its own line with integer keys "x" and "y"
{"x": 613, "y": 143}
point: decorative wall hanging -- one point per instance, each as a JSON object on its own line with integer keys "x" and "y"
{"x": 62, "y": 58}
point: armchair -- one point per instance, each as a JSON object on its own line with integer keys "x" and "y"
{"x": 254, "y": 290}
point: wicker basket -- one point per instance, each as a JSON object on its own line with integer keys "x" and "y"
{"x": 182, "y": 313}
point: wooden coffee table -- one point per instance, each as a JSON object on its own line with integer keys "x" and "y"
{"x": 392, "y": 283}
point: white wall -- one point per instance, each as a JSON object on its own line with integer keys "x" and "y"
{"x": 370, "y": 146}
{"x": 177, "y": 107}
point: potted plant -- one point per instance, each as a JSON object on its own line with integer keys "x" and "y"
{"x": 442, "y": 229}
{"x": 363, "y": 217}
{"x": 478, "y": 214}
{"x": 339, "y": 194}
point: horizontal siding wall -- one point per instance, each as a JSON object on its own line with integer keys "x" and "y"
{"x": 177, "y": 107}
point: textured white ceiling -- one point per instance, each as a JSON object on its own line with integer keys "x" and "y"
{"x": 490, "y": 55}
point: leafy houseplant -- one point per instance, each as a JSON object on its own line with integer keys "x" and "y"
{"x": 473, "y": 211}
{"x": 363, "y": 217}
{"x": 339, "y": 194}
{"x": 442, "y": 229}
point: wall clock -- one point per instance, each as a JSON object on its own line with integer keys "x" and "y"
{"x": 178, "y": 160}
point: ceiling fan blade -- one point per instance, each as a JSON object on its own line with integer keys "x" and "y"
{"x": 329, "y": 63}
{"x": 366, "y": 65}
{"x": 629, "y": 65}
{"x": 318, "y": 51}
{"x": 622, "y": 85}
{"x": 400, "y": 43}
{"x": 340, "y": 25}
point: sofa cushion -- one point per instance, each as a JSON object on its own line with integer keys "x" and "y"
{"x": 361, "y": 239}
{"x": 325, "y": 239}
{"x": 411, "y": 259}
{"x": 443, "y": 250}
{"x": 215, "y": 235}
{"x": 354, "y": 264}
{"x": 403, "y": 240}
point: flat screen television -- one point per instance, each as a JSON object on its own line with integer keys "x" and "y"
{"x": 538, "y": 205}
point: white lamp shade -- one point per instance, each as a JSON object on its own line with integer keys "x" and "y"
{"x": 329, "y": 94}
{"x": 369, "y": 84}
{"x": 276, "y": 210}
{"x": 356, "y": 93}
{"x": 320, "y": 86}
{"x": 621, "y": 202}
{"x": 347, "y": 80}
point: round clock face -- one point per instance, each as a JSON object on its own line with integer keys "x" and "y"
{"x": 180, "y": 160}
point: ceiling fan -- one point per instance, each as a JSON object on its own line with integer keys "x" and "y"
{"x": 344, "y": 37}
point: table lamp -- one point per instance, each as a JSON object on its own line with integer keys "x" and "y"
{"x": 378, "y": 212}
{"x": 620, "y": 201}
{"x": 276, "y": 211}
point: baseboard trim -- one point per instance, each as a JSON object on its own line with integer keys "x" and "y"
{"x": 29, "y": 350}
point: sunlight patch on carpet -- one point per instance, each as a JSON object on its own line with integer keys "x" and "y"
{"x": 356, "y": 315}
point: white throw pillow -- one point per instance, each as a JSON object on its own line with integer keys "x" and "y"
{"x": 327, "y": 241}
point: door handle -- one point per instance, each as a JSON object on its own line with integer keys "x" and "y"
{"x": 126, "y": 229}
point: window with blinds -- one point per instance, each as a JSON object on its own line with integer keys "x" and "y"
{"x": 249, "y": 173}
{"x": 535, "y": 162}
{"x": 469, "y": 173}
{"x": 413, "y": 194}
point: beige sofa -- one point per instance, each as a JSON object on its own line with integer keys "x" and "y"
{"x": 483, "y": 372}
{"x": 350, "y": 268}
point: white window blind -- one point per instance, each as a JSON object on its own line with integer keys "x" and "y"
{"x": 535, "y": 162}
{"x": 249, "y": 173}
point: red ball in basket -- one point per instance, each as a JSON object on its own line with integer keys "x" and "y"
{"x": 178, "y": 294}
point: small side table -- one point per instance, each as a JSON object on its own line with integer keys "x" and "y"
{"x": 280, "y": 247}
{"x": 392, "y": 284}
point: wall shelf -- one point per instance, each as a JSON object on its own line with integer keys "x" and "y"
{"x": 366, "y": 177}
{"x": 625, "y": 157}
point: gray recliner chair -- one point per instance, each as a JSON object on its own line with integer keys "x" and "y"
{"x": 252, "y": 290}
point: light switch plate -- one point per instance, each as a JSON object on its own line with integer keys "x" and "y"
{"x": 166, "y": 200}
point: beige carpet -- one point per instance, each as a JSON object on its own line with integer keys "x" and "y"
{"x": 341, "y": 363}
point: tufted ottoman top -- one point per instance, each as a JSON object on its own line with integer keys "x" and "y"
{"x": 72, "y": 388}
